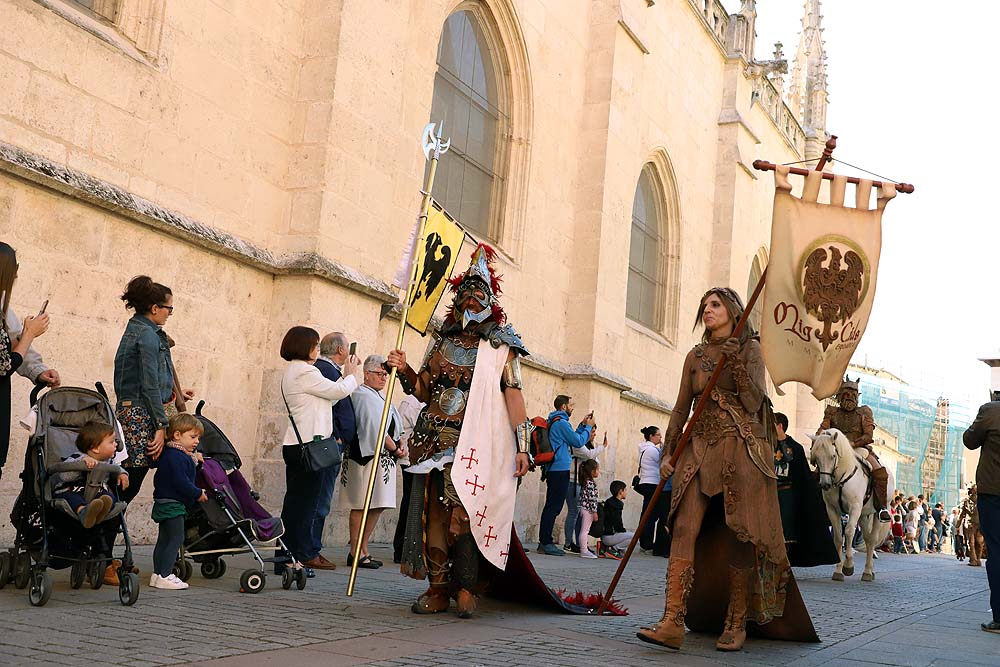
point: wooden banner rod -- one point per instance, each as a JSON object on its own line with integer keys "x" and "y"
{"x": 764, "y": 165}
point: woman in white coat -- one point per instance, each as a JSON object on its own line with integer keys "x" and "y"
{"x": 310, "y": 398}
{"x": 368, "y": 404}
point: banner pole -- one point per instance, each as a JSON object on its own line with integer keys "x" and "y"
{"x": 434, "y": 148}
{"x": 698, "y": 409}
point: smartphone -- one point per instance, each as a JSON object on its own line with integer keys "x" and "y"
{"x": 44, "y": 306}
{"x": 354, "y": 348}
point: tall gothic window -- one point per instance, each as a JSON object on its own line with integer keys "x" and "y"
{"x": 470, "y": 177}
{"x": 644, "y": 296}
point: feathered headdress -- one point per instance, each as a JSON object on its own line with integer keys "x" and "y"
{"x": 481, "y": 270}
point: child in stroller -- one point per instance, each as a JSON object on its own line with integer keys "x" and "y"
{"x": 232, "y": 521}
{"x": 51, "y": 533}
{"x": 96, "y": 444}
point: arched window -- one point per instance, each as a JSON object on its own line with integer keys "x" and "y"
{"x": 467, "y": 97}
{"x": 644, "y": 296}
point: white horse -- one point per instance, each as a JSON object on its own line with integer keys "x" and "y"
{"x": 845, "y": 481}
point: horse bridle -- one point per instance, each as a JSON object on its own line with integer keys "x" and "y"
{"x": 838, "y": 483}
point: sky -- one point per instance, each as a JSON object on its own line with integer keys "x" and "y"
{"x": 912, "y": 97}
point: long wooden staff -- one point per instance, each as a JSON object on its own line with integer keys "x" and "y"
{"x": 698, "y": 408}
{"x": 434, "y": 148}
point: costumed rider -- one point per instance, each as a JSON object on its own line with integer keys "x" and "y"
{"x": 469, "y": 443}
{"x": 858, "y": 424}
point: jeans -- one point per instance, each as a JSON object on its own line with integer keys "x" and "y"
{"x": 654, "y": 534}
{"x": 922, "y": 535}
{"x": 168, "y": 544}
{"x": 989, "y": 525}
{"x": 897, "y": 544}
{"x": 298, "y": 511}
{"x": 557, "y": 484}
{"x": 572, "y": 524}
{"x": 324, "y": 500}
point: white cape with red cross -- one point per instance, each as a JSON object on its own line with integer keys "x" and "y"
{"x": 483, "y": 471}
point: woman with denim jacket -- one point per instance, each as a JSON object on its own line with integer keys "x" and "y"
{"x": 144, "y": 377}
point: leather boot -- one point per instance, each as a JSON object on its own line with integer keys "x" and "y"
{"x": 880, "y": 489}
{"x": 735, "y": 632}
{"x": 465, "y": 603}
{"x": 669, "y": 631}
{"x": 434, "y": 601}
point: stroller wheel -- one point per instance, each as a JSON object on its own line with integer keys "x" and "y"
{"x": 183, "y": 569}
{"x": 252, "y": 581}
{"x": 128, "y": 588}
{"x": 41, "y": 588}
{"x": 287, "y": 578}
{"x": 5, "y": 568}
{"x": 77, "y": 573}
{"x": 22, "y": 570}
{"x": 213, "y": 569}
{"x": 300, "y": 578}
{"x": 96, "y": 572}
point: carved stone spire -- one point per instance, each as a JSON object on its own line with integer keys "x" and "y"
{"x": 742, "y": 30}
{"x": 807, "y": 90}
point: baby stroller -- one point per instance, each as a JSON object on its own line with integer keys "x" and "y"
{"x": 232, "y": 520}
{"x": 49, "y": 532}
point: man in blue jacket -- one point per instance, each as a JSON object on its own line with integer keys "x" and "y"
{"x": 333, "y": 350}
{"x": 562, "y": 437}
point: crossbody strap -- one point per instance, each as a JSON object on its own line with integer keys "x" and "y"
{"x": 290, "y": 417}
{"x": 638, "y": 468}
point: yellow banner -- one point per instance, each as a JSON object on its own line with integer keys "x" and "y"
{"x": 820, "y": 280}
{"x": 435, "y": 262}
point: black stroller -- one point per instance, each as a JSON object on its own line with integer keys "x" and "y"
{"x": 232, "y": 520}
{"x": 49, "y": 533}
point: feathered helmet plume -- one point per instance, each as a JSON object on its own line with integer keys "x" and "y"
{"x": 482, "y": 274}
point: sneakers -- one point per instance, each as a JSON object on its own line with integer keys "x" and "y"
{"x": 587, "y": 554}
{"x": 550, "y": 550}
{"x": 610, "y": 553}
{"x": 169, "y": 582}
{"x": 992, "y": 626}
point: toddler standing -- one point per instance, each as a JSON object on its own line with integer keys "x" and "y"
{"x": 174, "y": 491}
{"x": 588, "y": 504}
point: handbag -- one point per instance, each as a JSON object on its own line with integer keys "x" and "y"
{"x": 319, "y": 453}
{"x": 635, "y": 478}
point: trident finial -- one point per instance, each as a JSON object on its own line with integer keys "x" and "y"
{"x": 434, "y": 143}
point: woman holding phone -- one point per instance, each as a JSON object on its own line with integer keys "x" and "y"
{"x": 12, "y": 351}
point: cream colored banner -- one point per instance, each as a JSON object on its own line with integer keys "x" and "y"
{"x": 820, "y": 280}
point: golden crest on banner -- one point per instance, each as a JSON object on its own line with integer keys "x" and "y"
{"x": 436, "y": 261}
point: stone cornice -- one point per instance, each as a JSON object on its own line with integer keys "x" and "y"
{"x": 648, "y": 401}
{"x": 73, "y": 183}
{"x": 577, "y": 372}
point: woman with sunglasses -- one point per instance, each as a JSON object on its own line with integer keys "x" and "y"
{"x": 144, "y": 377}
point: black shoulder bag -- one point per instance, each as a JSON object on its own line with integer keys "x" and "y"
{"x": 318, "y": 454}
{"x": 638, "y": 469}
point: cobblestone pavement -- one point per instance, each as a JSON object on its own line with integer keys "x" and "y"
{"x": 921, "y": 610}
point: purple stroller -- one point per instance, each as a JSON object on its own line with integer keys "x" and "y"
{"x": 232, "y": 521}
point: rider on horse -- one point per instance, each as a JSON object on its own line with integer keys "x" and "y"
{"x": 858, "y": 424}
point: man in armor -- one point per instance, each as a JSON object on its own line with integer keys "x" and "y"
{"x": 468, "y": 444}
{"x": 858, "y": 424}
